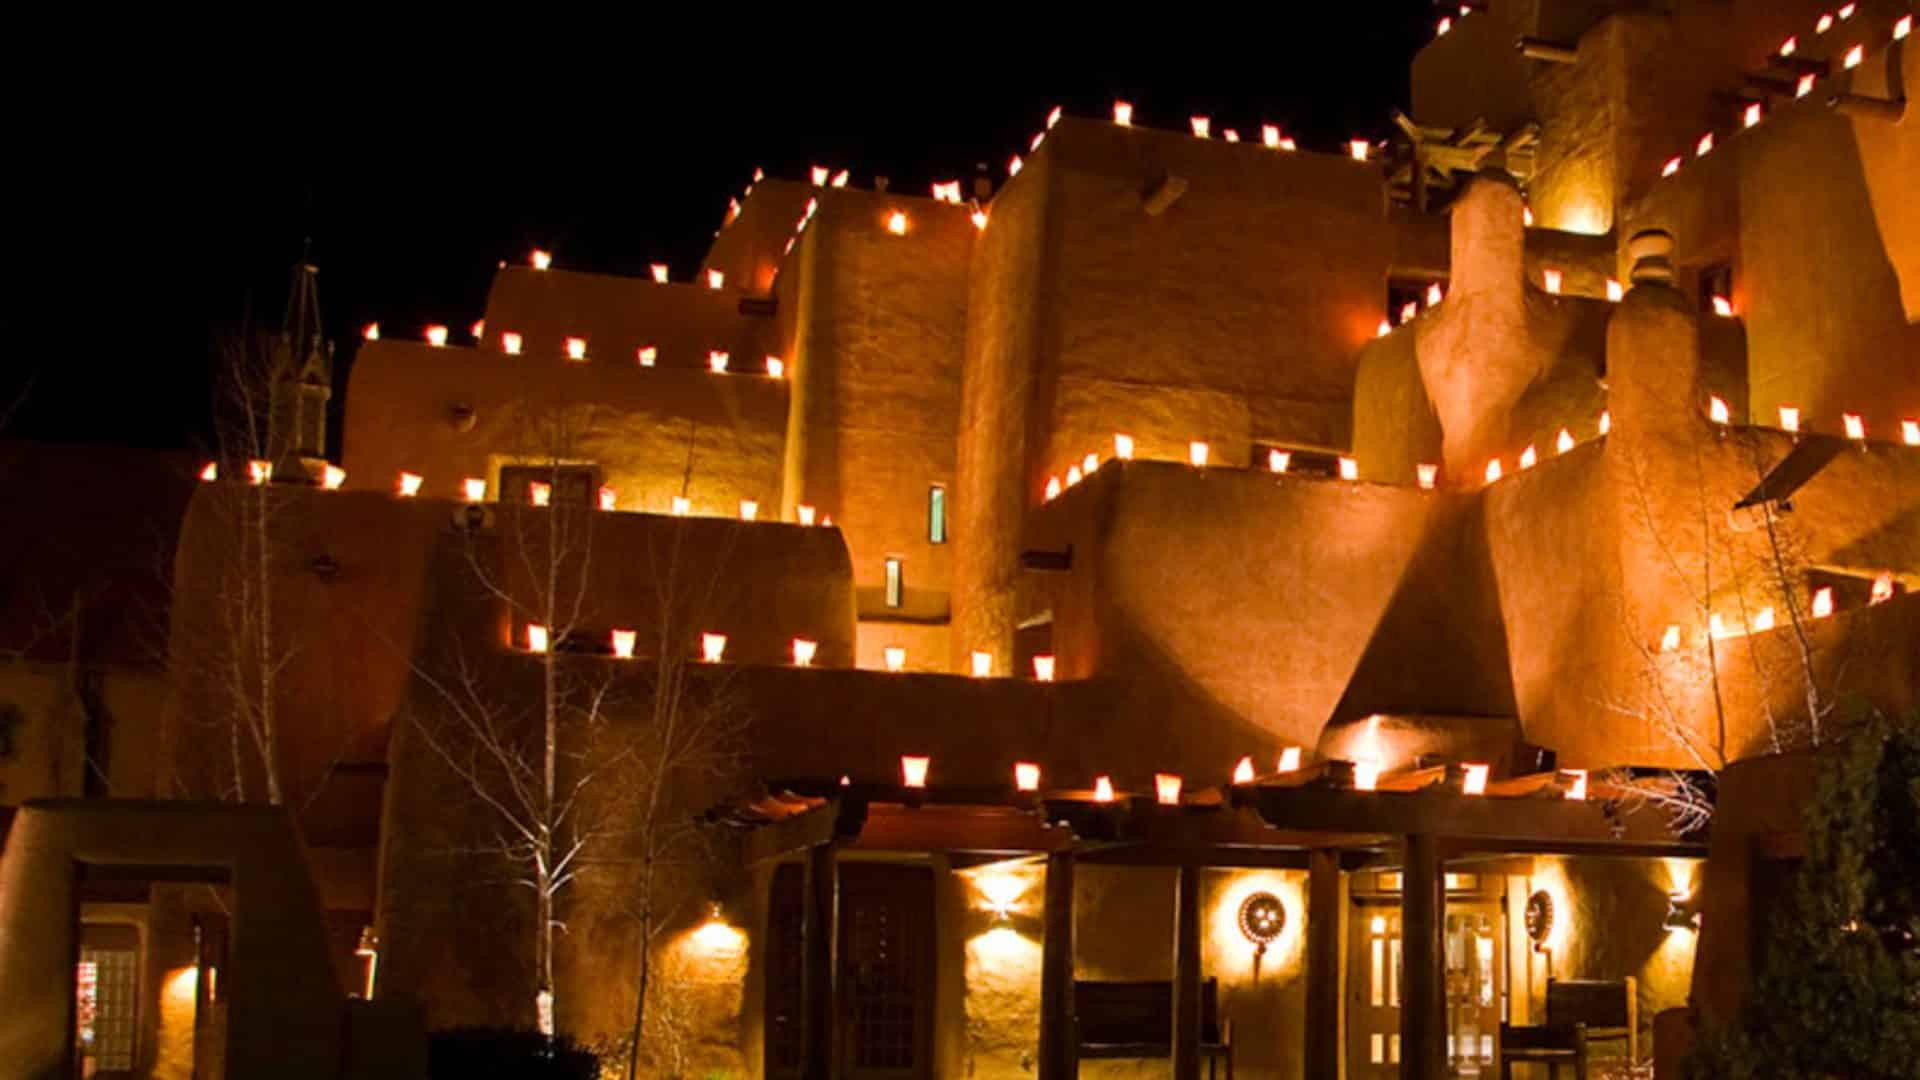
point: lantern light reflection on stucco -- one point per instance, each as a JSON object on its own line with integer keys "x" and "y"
{"x": 1026, "y": 776}
{"x": 1910, "y": 432}
{"x": 913, "y": 770}
{"x": 1854, "y": 56}
{"x": 1882, "y": 589}
{"x": 1043, "y": 668}
{"x": 1197, "y": 454}
{"x": 409, "y": 484}
{"x": 1428, "y": 473}
{"x": 1349, "y": 469}
{"x": 894, "y": 657}
{"x": 371, "y": 331}
{"x": 1563, "y": 442}
{"x": 1550, "y": 280}
{"x": 716, "y": 361}
{"x": 1289, "y": 760}
{"x": 1243, "y": 771}
{"x": 803, "y": 651}
{"x": 1616, "y": 292}
{"x": 1789, "y": 418}
{"x": 897, "y": 223}
{"x": 576, "y": 348}
{"x": 1166, "y": 789}
{"x": 332, "y": 477}
{"x": 1493, "y": 470}
{"x": 1123, "y": 113}
{"x": 539, "y": 494}
{"x": 804, "y": 513}
{"x": 1102, "y": 789}
{"x": 210, "y": 472}
{"x": 1856, "y": 426}
{"x": 1670, "y": 639}
{"x": 713, "y": 647}
{"x": 609, "y": 498}
{"x": 511, "y": 343}
{"x": 541, "y": 260}
{"x": 437, "y": 336}
{"x": 1805, "y": 85}
{"x": 536, "y": 638}
{"x": 1202, "y": 127}
{"x": 474, "y": 488}
{"x": 1823, "y": 602}
{"x": 749, "y": 510}
{"x": 981, "y": 664}
{"x": 1717, "y": 410}
{"x": 682, "y": 506}
{"x": 1528, "y": 457}
{"x": 622, "y": 641}
{"x": 1474, "y": 782}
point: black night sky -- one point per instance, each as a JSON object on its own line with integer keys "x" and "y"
{"x": 173, "y": 204}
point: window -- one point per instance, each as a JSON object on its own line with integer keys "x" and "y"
{"x": 937, "y": 514}
{"x": 895, "y": 587}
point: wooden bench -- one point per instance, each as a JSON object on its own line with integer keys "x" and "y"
{"x": 1580, "y": 1012}
{"x": 1135, "y": 1020}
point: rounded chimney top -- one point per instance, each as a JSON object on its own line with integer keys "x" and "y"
{"x": 1651, "y": 251}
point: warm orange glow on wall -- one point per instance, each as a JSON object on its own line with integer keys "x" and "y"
{"x": 717, "y": 360}
{"x": 803, "y": 651}
{"x": 1358, "y": 149}
{"x": 1202, "y": 127}
{"x": 576, "y": 348}
{"x": 1551, "y": 279}
{"x": 437, "y": 336}
{"x": 371, "y": 331}
{"x": 716, "y": 937}
{"x": 1166, "y": 789}
{"x": 1428, "y": 473}
{"x": 609, "y": 498}
{"x": 541, "y": 260}
{"x": 682, "y": 506}
{"x": 894, "y": 657}
{"x": 409, "y": 484}
{"x": 659, "y": 272}
{"x": 1475, "y": 781}
{"x": 259, "y": 471}
{"x": 1717, "y": 410}
{"x": 648, "y": 355}
{"x": 210, "y": 472}
{"x": 716, "y": 279}
{"x": 1910, "y": 432}
{"x": 1289, "y": 760}
{"x": 1043, "y": 668}
{"x": 1616, "y": 292}
{"x": 1529, "y": 457}
{"x": 474, "y": 488}
{"x": 1789, "y": 418}
{"x": 1882, "y": 589}
{"x": 713, "y": 647}
{"x": 1823, "y": 602}
{"x": 1856, "y": 427}
{"x": 1243, "y": 771}
{"x": 913, "y": 770}
{"x": 1123, "y": 113}
{"x": 1493, "y": 470}
{"x": 1026, "y": 776}
{"x": 1102, "y": 789}
{"x": 804, "y": 513}
{"x": 897, "y": 223}
{"x": 622, "y": 641}
{"x": 1197, "y": 454}
{"x": 536, "y": 638}
{"x": 539, "y": 494}
{"x": 1854, "y": 56}
{"x": 332, "y": 477}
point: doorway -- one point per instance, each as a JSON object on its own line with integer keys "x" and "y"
{"x": 886, "y": 971}
{"x": 1473, "y": 958}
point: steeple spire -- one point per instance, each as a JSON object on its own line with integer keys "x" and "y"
{"x": 302, "y": 378}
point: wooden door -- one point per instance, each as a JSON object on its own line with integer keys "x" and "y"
{"x": 1373, "y": 989}
{"x": 886, "y": 971}
{"x": 1473, "y": 952}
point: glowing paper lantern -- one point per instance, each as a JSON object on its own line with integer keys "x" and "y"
{"x": 894, "y": 657}
{"x": 1789, "y": 418}
{"x": 1123, "y": 113}
{"x": 803, "y": 651}
{"x": 536, "y": 638}
{"x": 1383, "y": 329}
{"x": 839, "y": 179}
{"x": 1043, "y": 668}
{"x": 1270, "y": 135}
{"x": 1202, "y": 127}
{"x": 648, "y": 355}
{"x": 1882, "y": 589}
{"x": 437, "y": 336}
{"x": 1434, "y": 295}
{"x": 576, "y": 348}
{"x": 1551, "y": 279}
{"x": 1493, "y": 470}
{"x": 897, "y": 223}
{"x": 1102, "y": 789}
{"x": 1013, "y": 166}
{"x": 1026, "y": 776}
{"x": 1903, "y": 28}
{"x": 1672, "y": 166}
{"x": 1753, "y": 114}
{"x": 804, "y": 513}
{"x": 474, "y": 488}
{"x": 659, "y": 272}
{"x": 1718, "y": 412}
{"x": 979, "y": 219}
{"x": 1053, "y": 117}
{"x": 1073, "y": 475}
{"x": 749, "y": 510}
{"x": 1564, "y": 441}
{"x": 332, "y": 477}
{"x": 371, "y": 332}
{"x": 1475, "y": 780}
{"x": 1123, "y": 447}
{"x": 1230, "y": 135}
{"x": 1576, "y": 784}
{"x": 1805, "y": 85}
{"x": 1910, "y": 432}
{"x": 1704, "y": 146}
{"x": 1615, "y": 291}
{"x": 1446, "y": 24}
{"x": 1856, "y": 427}
{"x": 1762, "y": 621}
{"x": 716, "y": 361}
{"x": 913, "y": 770}
{"x": 409, "y": 484}
{"x": 1197, "y": 454}
{"x": 1716, "y": 626}
{"x": 539, "y": 494}
{"x": 982, "y": 664}
{"x": 1278, "y": 461}
{"x": 1723, "y": 307}
{"x": 1670, "y": 639}
{"x": 1349, "y": 469}
{"x": 1825, "y": 24}
{"x": 1166, "y": 789}
{"x": 1090, "y": 464}
{"x": 1790, "y": 46}
{"x": 716, "y": 279}
{"x": 1243, "y": 771}
{"x": 1854, "y": 56}
{"x": 776, "y": 368}
{"x": 1053, "y": 489}
{"x": 1409, "y": 311}
{"x": 623, "y": 644}
{"x": 1528, "y": 458}
{"x": 1359, "y": 149}
{"x": 1289, "y": 760}
{"x": 541, "y": 260}
{"x": 713, "y": 647}
{"x": 819, "y": 174}
{"x": 682, "y": 506}
{"x": 511, "y": 343}
{"x": 1366, "y": 775}
{"x": 1822, "y": 602}
{"x": 210, "y": 472}
{"x": 1606, "y": 421}
{"x": 1428, "y": 473}
{"x": 609, "y": 499}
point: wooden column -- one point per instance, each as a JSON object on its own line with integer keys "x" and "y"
{"x": 1325, "y": 1032}
{"x": 820, "y": 989}
{"x": 1186, "y": 975}
{"x": 1423, "y": 1002}
{"x": 1059, "y": 1033}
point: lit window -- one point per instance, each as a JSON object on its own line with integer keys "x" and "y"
{"x": 937, "y": 514}
{"x": 895, "y": 586}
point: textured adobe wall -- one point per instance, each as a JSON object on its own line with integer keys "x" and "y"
{"x": 751, "y": 248}
{"x": 1890, "y": 156}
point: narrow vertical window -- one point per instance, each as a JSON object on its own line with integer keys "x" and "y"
{"x": 937, "y": 514}
{"x": 894, "y": 585}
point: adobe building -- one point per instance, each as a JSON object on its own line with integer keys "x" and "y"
{"x": 1207, "y": 602}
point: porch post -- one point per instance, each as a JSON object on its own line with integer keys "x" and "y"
{"x": 1186, "y": 975}
{"x": 819, "y": 982}
{"x": 1423, "y": 1004}
{"x": 1059, "y": 1034}
{"x": 1325, "y": 1032}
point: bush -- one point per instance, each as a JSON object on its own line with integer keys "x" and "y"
{"x": 506, "y": 1054}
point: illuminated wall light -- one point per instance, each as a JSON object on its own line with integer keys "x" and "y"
{"x": 804, "y": 513}
{"x": 776, "y": 368}
{"x": 659, "y": 271}
{"x": 539, "y": 494}
{"x": 1102, "y": 789}
{"x": 1856, "y": 427}
{"x": 1043, "y": 668}
{"x": 1718, "y": 412}
{"x": 1013, "y": 166}
{"x": 623, "y": 644}
{"x": 1551, "y": 280}
{"x": 1073, "y": 475}
{"x": 1090, "y": 464}
{"x": 1854, "y": 56}
{"x": 1435, "y": 294}
{"x": 541, "y": 260}
{"x": 1202, "y": 127}
{"x": 1123, "y": 447}
{"x": 1278, "y": 461}
{"x": 1790, "y": 419}
{"x": 981, "y": 665}
{"x": 1910, "y": 432}
{"x": 1289, "y": 760}
{"x": 1366, "y": 775}
{"x": 1409, "y": 311}
{"x": 1704, "y": 146}
{"x": 1053, "y": 489}
{"x": 1616, "y": 292}
{"x": 437, "y": 336}
{"x": 979, "y": 219}
{"x": 1475, "y": 781}
{"x": 1528, "y": 458}
{"x": 1166, "y": 789}
{"x": 803, "y": 651}
{"x": 1428, "y": 473}
{"x": 713, "y": 647}
{"x": 409, "y": 485}
{"x": 716, "y": 361}
{"x": 749, "y": 510}
{"x": 1805, "y": 85}
{"x": 1359, "y": 149}
{"x": 1882, "y": 589}
{"x": 1053, "y": 117}
{"x": 913, "y": 770}
{"x": 1123, "y": 113}
{"x": 1790, "y": 46}
{"x": 576, "y": 348}
{"x": 1823, "y": 602}
{"x": 474, "y": 488}
{"x": 1563, "y": 442}
{"x": 1270, "y": 136}
{"x": 1383, "y": 329}
{"x": 897, "y": 223}
{"x": 332, "y": 477}
{"x": 716, "y": 279}
{"x": 1493, "y": 472}
{"x": 1670, "y": 638}
{"x": 1197, "y": 454}
{"x": 1903, "y": 28}
{"x": 1762, "y": 621}
{"x": 609, "y": 498}
{"x": 648, "y": 355}
{"x": 1576, "y": 780}
{"x": 839, "y": 180}
{"x": 1753, "y": 114}
{"x": 1243, "y": 771}
{"x": 210, "y": 472}
{"x": 894, "y": 657}
{"x": 511, "y": 343}
{"x": 1349, "y": 469}
{"x": 536, "y": 638}
{"x": 1606, "y": 421}
{"x": 1026, "y": 776}
{"x": 371, "y": 332}
{"x": 682, "y": 506}
{"x": 1672, "y": 166}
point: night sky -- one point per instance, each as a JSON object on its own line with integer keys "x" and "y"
{"x": 141, "y": 228}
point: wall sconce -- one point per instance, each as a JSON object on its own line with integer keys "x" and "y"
{"x": 1262, "y": 918}
{"x": 1539, "y": 919}
{"x": 1680, "y": 915}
